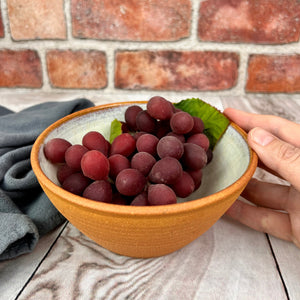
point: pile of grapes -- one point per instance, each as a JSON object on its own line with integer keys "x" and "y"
{"x": 158, "y": 157}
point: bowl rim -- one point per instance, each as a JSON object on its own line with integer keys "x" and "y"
{"x": 137, "y": 211}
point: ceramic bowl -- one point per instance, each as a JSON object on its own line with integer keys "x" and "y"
{"x": 153, "y": 230}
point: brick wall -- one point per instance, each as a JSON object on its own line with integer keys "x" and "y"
{"x": 222, "y": 47}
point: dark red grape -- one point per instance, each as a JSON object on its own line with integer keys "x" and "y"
{"x": 169, "y": 146}
{"x": 184, "y": 186}
{"x": 147, "y": 143}
{"x": 108, "y": 148}
{"x": 94, "y": 140}
{"x": 137, "y": 134}
{"x": 76, "y": 183}
{"x": 161, "y": 194}
{"x": 199, "y": 139}
{"x": 63, "y": 172}
{"x": 130, "y": 116}
{"x": 55, "y": 149}
{"x": 198, "y": 126}
{"x": 124, "y": 127}
{"x": 123, "y": 144}
{"x": 210, "y": 155}
{"x": 194, "y": 157}
{"x": 119, "y": 199}
{"x": 117, "y": 163}
{"x": 145, "y": 122}
{"x": 74, "y": 155}
{"x": 162, "y": 128}
{"x": 181, "y": 137}
{"x": 130, "y": 182}
{"x": 99, "y": 190}
{"x": 166, "y": 171}
{"x": 95, "y": 165}
{"x": 197, "y": 177}
{"x": 160, "y": 108}
{"x": 140, "y": 200}
{"x": 143, "y": 161}
{"x": 181, "y": 122}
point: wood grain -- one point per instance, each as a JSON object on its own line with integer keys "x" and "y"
{"x": 280, "y": 105}
{"x": 16, "y": 272}
{"x": 224, "y": 263}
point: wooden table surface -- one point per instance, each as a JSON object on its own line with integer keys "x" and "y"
{"x": 229, "y": 261}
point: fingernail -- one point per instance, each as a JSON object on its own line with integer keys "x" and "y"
{"x": 261, "y": 136}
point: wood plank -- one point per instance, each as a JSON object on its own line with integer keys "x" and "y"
{"x": 279, "y": 105}
{"x": 288, "y": 258}
{"x": 243, "y": 266}
{"x": 16, "y": 272}
{"x": 229, "y": 261}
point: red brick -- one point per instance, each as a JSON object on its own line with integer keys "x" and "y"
{"x": 20, "y": 69}
{"x": 1, "y": 25}
{"x": 260, "y": 21}
{"x": 36, "y": 19}
{"x": 156, "y": 20}
{"x": 173, "y": 70}
{"x": 274, "y": 73}
{"x": 77, "y": 69}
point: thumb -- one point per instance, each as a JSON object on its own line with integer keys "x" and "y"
{"x": 279, "y": 156}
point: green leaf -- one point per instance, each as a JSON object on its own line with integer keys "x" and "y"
{"x": 115, "y": 129}
{"x": 215, "y": 122}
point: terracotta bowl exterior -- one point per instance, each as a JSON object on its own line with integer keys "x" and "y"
{"x": 145, "y": 231}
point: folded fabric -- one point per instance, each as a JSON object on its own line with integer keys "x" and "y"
{"x": 25, "y": 211}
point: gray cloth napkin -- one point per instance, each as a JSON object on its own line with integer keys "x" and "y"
{"x": 25, "y": 211}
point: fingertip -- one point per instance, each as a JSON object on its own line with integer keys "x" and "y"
{"x": 239, "y": 117}
{"x": 229, "y": 111}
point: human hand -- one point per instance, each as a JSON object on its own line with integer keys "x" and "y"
{"x": 276, "y": 208}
